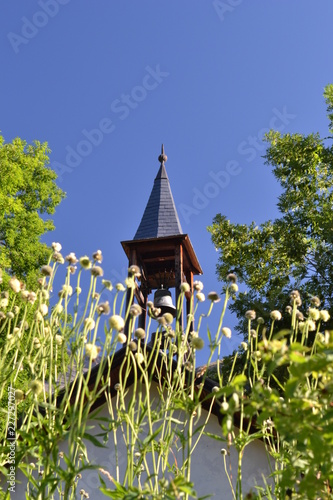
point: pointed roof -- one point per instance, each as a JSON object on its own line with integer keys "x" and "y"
{"x": 160, "y": 217}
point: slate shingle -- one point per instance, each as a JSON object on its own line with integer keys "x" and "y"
{"x": 160, "y": 217}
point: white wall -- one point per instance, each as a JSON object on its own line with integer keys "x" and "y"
{"x": 208, "y": 474}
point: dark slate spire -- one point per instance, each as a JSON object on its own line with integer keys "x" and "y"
{"x": 160, "y": 217}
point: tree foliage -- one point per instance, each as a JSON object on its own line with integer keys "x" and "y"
{"x": 27, "y": 192}
{"x": 296, "y": 249}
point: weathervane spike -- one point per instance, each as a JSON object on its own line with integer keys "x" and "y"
{"x": 163, "y": 157}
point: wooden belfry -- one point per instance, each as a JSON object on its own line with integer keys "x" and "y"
{"x": 163, "y": 253}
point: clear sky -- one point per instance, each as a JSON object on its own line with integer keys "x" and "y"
{"x": 106, "y": 82}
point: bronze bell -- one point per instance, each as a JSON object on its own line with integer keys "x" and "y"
{"x": 163, "y": 301}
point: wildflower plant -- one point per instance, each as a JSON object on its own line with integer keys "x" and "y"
{"x": 61, "y": 361}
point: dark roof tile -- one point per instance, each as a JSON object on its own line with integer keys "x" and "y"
{"x": 160, "y": 217}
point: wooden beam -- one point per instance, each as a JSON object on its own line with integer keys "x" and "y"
{"x": 178, "y": 277}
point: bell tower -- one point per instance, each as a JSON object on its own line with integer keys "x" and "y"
{"x": 161, "y": 250}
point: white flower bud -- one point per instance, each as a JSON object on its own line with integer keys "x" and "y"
{"x": 116, "y": 322}
{"x": 226, "y": 332}
{"x": 89, "y": 324}
{"x": 276, "y": 315}
{"x": 15, "y": 285}
{"x": 324, "y": 315}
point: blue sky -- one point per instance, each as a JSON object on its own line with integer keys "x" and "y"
{"x": 105, "y": 83}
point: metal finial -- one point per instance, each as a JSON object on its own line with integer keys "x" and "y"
{"x": 163, "y": 157}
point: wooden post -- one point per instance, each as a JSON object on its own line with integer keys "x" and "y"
{"x": 178, "y": 278}
{"x": 143, "y": 317}
{"x": 189, "y": 295}
{"x": 129, "y": 301}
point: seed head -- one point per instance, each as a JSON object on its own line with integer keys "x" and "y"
{"x": 296, "y": 300}
{"x": 276, "y": 315}
{"x": 301, "y": 326}
{"x": 130, "y": 283}
{"x": 37, "y": 343}
{"x": 135, "y": 310}
{"x": 226, "y": 332}
{"x": 66, "y": 290}
{"x": 200, "y": 297}
{"x": 213, "y": 297}
{"x": 289, "y": 309}
{"x": 4, "y": 303}
{"x": 198, "y": 286}
{"x": 85, "y": 262}
{"x": 56, "y": 247}
{"x": 19, "y": 395}
{"x": 233, "y": 288}
{"x": 232, "y": 277}
{"x": 315, "y": 301}
{"x": 71, "y": 258}
{"x": 89, "y": 324}
{"x": 299, "y": 316}
{"x": 324, "y": 315}
{"x": 36, "y": 387}
{"x": 154, "y": 312}
{"x": 92, "y": 351}
{"x": 120, "y": 287}
{"x": 135, "y": 271}
{"x": 15, "y": 285}
{"x": 168, "y": 318}
{"x": 185, "y": 287}
{"x": 132, "y": 345}
{"x": 97, "y": 271}
{"x": 57, "y": 257}
{"x": 59, "y": 339}
{"x": 139, "y": 358}
{"x": 251, "y": 315}
{"x": 311, "y": 325}
{"x": 121, "y": 338}
{"x": 225, "y": 406}
{"x": 313, "y": 313}
{"x": 139, "y": 333}
{"x": 197, "y": 343}
{"x": 46, "y": 270}
{"x": 43, "y": 309}
{"x": 103, "y": 308}
{"x": 32, "y": 297}
{"x": 98, "y": 256}
{"x": 116, "y": 323}
{"x": 161, "y": 320}
{"x": 107, "y": 284}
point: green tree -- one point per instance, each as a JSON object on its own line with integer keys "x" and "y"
{"x": 296, "y": 249}
{"x": 27, "y": 192}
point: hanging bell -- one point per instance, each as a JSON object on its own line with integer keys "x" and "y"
{"x": 163, "y": 301}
